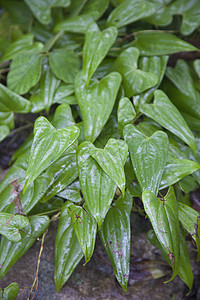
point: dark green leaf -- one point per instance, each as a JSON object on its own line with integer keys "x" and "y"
{"x": 148, "y": 155}
{"x": 125, "y": 113}
{"x": 72, "y": 192}
{"x": 96, "y": 102}
{"x": 46, "y": 137}
{"x": 68, "y": 252}
{"x": 115, "y": 234}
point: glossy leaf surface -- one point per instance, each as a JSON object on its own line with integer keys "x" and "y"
{"x": 10, "y": 252}
{"x": 65, "y": 64}
{"x": 68, "y": 252}
{"x": 85, "y": 227}
{"x": 148, "y": 155}
{"x": 163, "y": 214}
{"x": 130, "y": 11}
{"x": 166, "y": 114}
{"x": 134, "y": 80}
{"x": 97, "y": 187}
{"x": 10, "y": 292}
{"x": 25, "y": 72}
{"x": 63, "y": 117}
{"x": 46, "y": 137}
{"x": 125, "y": 113}
{"x": 97, "y": 45}
{"x": 112, "y": 159}
{"x": 10, "y": 225}
{"x": 9, "y": 101}
{"x": 96, "y": 102}
{"x": 115, "y": 234}
{"x": 160, "y": 43}
{"x": 176, "y": 169}
{"x": 95, "y": 8}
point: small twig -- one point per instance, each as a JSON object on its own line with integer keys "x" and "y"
{"x": 35, "y": 282}
{"x": 21, "y": 128}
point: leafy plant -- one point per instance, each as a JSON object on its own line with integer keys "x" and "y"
{"x": 116, "y": 123}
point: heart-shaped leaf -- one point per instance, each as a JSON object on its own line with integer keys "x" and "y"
{"x": 95, "y": 8}
{"x": 148, "y": 155}
{"x": 63, "y": 117}
{"x": 97, "y": 187}
{"x": 65, "y": 64}
{"x": 166, "y": 114}
{"x": 68, "y": 252}
{"x": 125, "y": 113}
{"x": 96, "y": 102}
{"x": 42, "y": 8}
{"x": 97, "y": 45}
{"x": 155, "y": 42}
{"x": 130, "y": 11}
{"x": 85, "y": 227}
{"x": 25, "y": 72}
{"x": 115, "y": 234}
{"x": 48, "y": 145}
{"x": 176, "y": 169}
{"x": 112, "y": 159}
{"x": 10, "y": 225}
{"x": 163, "y": 214}
{"x": 10, "y": 252}
{"x": 9, "y": 101}
{"x": 134, "y": 80}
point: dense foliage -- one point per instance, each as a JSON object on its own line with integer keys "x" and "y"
{"x": 116, "y": 123}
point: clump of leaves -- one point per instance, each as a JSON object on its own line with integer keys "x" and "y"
{"x": 113, "y": 117}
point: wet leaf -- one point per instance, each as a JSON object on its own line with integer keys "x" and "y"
{"x": 112, "y": 159}
{"x": 166, "y": 114}
{"x": 130, "y": 11}
{"x": 163, "y": 214}
{"x": 148, "y": 155}
{"x": 95, "y": 8}
{"x": 72, "y": 192}
{"x": 115, "y": 234}
{"x": 85, "y": 227}
{"x": 125, "y": 113}
{"x": 63, "y": 117}
{"x": 10, "y": 252}
{"x": 154, "y": 42}
{"x": 68, "y": 252}
{"x": 65, "y": 64}
{"x": 9, "y": 101}
{"x": 46, "y": 137}
{"x": 25, "y": 72}
{"x": 134, "y": 80}
{"x": 10, "y": 225}
{"x": 97, "y": 187}
{"x": 96, "y": 47}
{"x": 96, "y": 102}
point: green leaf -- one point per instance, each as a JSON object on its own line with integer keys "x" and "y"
{"x": 68, "y": 252}
{"x": 130, "y": 11}
{"x": 134, "y": 80}
{"x": 4, "y": 132}
{"x": 112, "y": 159}
{"x": 176, "y": 169}
{"x": 85, "y": 227}
{"x": 76, "y": 24}
{"x": 72, "y": 192}
{"x": 190, "y": 219}
{"x": 46, "y": 137}
{"x": 162, "y": 16}
{"x": 48, "y": 208}
{"x": 10, "y": 252}
{"x": 64, "y": 170}
{"x": 115, "y": 234}
{"x": 167, "y": 115}
{"x": 96, "y": 47}
{"x": 42, "y": 8}
{"x": 125, "y": 113}
{"x": 9, "y": 101}
{"x": 25, "y": 72}
{"x": 188, "y": 184}
{"x": 11, "y": 291}
{"x": 65, "y": 64}
{"x": 7, "y": 118}
{"x": 96, "y": 102}
{"x": 10, "y": 225}
{"x": 62, "y": 92}
{"x": 197, "y": 66}
{"x": 63, "y": 117}
{"x": 95, "y": 8}
{"x": 97, "y": 187}
{"x": 148, "y": 155}
{"x": 163, "y": 214}
{"x": 110, "y": 130}
{"x": 154, "y": 42}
